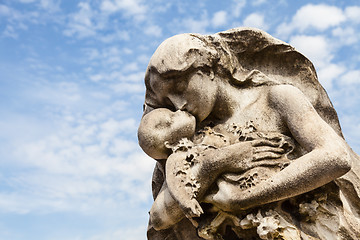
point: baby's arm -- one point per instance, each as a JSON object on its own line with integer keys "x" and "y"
{"x": 181, "y": 184}
{"x": 189, "y": 174}
{"x": 166, "y": 211}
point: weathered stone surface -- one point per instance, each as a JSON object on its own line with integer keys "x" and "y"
{"x": 247, "y": 143}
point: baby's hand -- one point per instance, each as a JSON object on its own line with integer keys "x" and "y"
{"x": 192, "y": 209}
{"x": 224, "y": 198}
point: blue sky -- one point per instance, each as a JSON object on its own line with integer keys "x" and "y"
{"x": 71, "y": 95}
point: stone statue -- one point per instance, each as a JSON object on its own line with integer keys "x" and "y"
{"x": 247, "y": 143}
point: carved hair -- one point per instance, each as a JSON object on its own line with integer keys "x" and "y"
{"x": 188, "y": 52}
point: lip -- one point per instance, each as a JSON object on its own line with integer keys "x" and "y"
{"x": 184, "y": 111}
{"x": 183, "y": 107}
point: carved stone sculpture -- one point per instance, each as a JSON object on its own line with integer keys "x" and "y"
{"x": 247, "y": 143}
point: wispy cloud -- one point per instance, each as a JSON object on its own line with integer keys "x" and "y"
{"x": 256, "y": 20}
{"x": 237, "y": 7}
{"x": 258, "y": 2}
{"x": 346, "y": 35}
{"x": 82, "y": 24}
{"x": 134, "y": 233}
{"x": 219, "y": 18}
{"x": 153, "y": 30}
{"x": 16, "y": 21}
{"x": 330, "y": 73}
{"x": 192, "y": 25}
{"x": 351, "y": 77}
{"x": 48, "y": 5}
{"x": 76, "y": 165}
{"x": 316, "y": 48}
{"x": 318, "y": 17}
{"x": 129, "y": 8}
{"x": 353, "y": 13}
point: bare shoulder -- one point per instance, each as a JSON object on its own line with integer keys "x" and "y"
{"x": 288, "y": 97}
{"x": 278, "y": 92}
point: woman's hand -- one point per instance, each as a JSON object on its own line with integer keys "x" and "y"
{"x": 266, "y": 149}
{"x": 259, "y": 152}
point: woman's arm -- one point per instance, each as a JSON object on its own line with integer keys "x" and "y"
{"x": 327, "y": 158}
{"x": 242, "y": 156}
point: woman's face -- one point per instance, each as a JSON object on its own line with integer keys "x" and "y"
{"x": 194, "y": 92}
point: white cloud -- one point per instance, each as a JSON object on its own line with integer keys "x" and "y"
{"x": 255, "y": 20}
{"x": 111, "y": 128}
{"x": 237, "y": 6}
{"x": 121, "y": 146}
{"x": 137, "y": 77}
{"x": 4, "y": 10}
{"x": 319, "y": 17}
{"x": 110, "y": 59}
{"x": 91, "y": 53}
{"x": 115, "y": 184}
{"x": 63, "y": 94}
{"x": 129, "y": 77}
{"x": 219, "y": 19}
{"x": 17, "y": 21}
{"x": 111, "y": 56}
{"x": 143, "y": 59}
{"x": 353, "y": 13}
{"x": 258, "y": 2}
{"x": 351, "y": 77}
{"x": 81, "y": 23}
{"x": 116, "y": 36}
{"x": 133, "y": 8}
{"x": 191, "y": 25}
{"x": 153, "y": 30}
{"x": 134, "y": 233}
{"x": 123, "y": 88}
{"x": 131, "y": 67}
{"x": 351, "y": 121}
{"x": 128, "y": 51}
{"x": 88, "y": 163}
{"x": 316, "y": 48}
{"x": 50, "y": 5}
{"x": 329, "y": 73}
{"x": 10, "y": 32}
{"x": 27, "y": 1}
{"x": 347, "y": 35}
{"x": 97, "y": 77}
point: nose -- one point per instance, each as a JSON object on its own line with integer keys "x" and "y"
{"x": 178, "y": 102}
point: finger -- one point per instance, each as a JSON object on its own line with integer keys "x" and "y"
{"x": 260, "y": 149}
{"x": 270, "y": 162}
{"x": 191, "y": 213}
{"x": 265, "y": 142}
{"x": 199, "y": 208}
{"x": 196, "y": 209}
{"x": 197, "y": 213}
{"x": 265, "y": 155}
{"x": 209, "y": 198}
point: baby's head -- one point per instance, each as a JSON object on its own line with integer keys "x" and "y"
{"x": 162, "y": 125}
